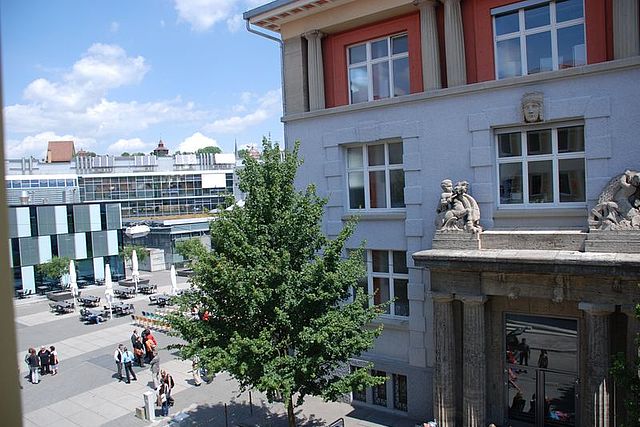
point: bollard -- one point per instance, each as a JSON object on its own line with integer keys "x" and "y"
{"x": 150, "y": 405}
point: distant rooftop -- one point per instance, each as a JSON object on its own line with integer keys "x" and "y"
{"x": 60, "y": 151}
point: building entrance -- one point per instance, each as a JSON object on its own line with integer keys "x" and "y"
{"x": 541, "y": 370}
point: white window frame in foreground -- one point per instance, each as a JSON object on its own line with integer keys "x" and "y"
{"x": 394, "y": 272}
{"x": 545, "y": 155}
{"x": 366, "y": 166}
{"x": 519, "y": 31}
{"x": 360, "y": 57}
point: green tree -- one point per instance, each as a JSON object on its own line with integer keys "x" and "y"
{"x": 127, "y": 252}
{"x": 242, "y": 153}
{"x": 125, "y": 154}
{"x": 627, "y": 378}
{"x": 282, "y": 319}
{"x": 54, "y": 268}
{"x": 191, "y": 249}
{"x": 210, "y": 149}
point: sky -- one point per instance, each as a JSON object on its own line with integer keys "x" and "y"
{"x": 119, "y": 75}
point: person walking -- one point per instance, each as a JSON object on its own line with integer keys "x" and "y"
{"x": 53, "y": 360}
{"x": 168, "y": 380}
{"x": 117, "y": 356}
{"x": 34, "y": 366}
{"x": 44, "y": 355}
{"x": 127, "y": 359}
{"x": 155, "y": 366}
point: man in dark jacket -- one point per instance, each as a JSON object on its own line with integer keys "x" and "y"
{"x": 44, "y": 354}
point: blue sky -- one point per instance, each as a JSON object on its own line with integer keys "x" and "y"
{"x": 118, "y": 75}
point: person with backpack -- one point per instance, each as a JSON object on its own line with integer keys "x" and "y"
{"x": 117, "y": 356}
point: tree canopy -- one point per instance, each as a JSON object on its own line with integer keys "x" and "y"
{"x": 127, "y": 252}
{"x": 55, "y": 268}
{"x": 282, "y": 318}
{"x": 210, "y": 149}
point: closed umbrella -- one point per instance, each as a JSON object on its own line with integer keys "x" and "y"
{"x": 108, "y": 292}
{"x": 135, "y": 274}
{"x": 174, "y": 281}
{"x": 73, "y": 285}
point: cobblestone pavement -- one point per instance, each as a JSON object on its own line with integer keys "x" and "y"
{"x": 86, "y": 391}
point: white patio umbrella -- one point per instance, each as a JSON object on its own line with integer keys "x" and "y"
{"x": 73, "y": 285}
{"x": 135, "y": 274}
{"x": 108, "y": 292}
{"x": 174, "y": 281}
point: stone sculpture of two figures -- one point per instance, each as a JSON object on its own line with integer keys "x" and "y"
{"x": 618, "y": 206}
{"x": 457, "y": 210}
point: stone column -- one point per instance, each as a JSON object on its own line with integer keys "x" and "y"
{"x": 454, "y": 43}
{"x": 315, "y": 69}
{"x": 597, "y": 411}
{"x": 626, "y": 41}
{"x": 444, "y": 404}
{"x": 429, "y": 44}
{"x": 474, "y": 369}
{"x": 633, "y": 332}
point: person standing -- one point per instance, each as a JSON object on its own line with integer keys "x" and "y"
{"x": 138, "y": 352}
{"x": 127, "y": 359}
{"x": 155, "y": 366}
{"x": 34, "y": 365}
{"x": 134, "y": 338}
{"x": 543, "y": 360}
{"x": 168, "y": 380}
{"x": 117, "y": 356}
{"x": 44, "y": 355}
{"x": 163, "y": 402}
{"x": 524, "y": 352}
{"x": 53, "y": 360}
{"x": 195, "y": 370}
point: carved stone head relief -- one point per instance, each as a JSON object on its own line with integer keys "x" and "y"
{"x": 533, "y": 107}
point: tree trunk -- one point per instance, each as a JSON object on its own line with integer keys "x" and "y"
{"x": 290, "y": 414}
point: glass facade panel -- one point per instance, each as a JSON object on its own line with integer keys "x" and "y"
{"x": 539, "y": 57}
{"x": 380, "y": 261}
{"x": 400, "y": 392}
{"x": 381, "y": 292}
{"x": 380, "y": 78}
{"x": 400, "y": 44}
{"x": 541, "y": 182}
{"x": 567, "y": 10}
{"x": 571, "y": 139}
{"x": 67, "y": 245}
{"x": 395, "y": 153}
{"x": 82, "y": 218}
{"x": 538, "y": 16}
{"x": 376, "y": 154}
{"x": 539, "y": 142}
{"x": 99, "y": 243}
{"x": 507, "y": 23}
{"x": 571, "y": 180}
{"x": 571, "y": 47}
{"x": 401, "y": 77}
{"x": 400, "y": 262}
{"x": 511, "y": 183}
{"x": 357, "y": 54}
{"x": 396, "y": 177}
{"x": 509, "y": 61}
{"x": 379, "y": 49}
{"x": 377, "y": 189}
{"x": 401, "y": 300}
{"x": 509, "y": 145}
{"x": 356, "y": 190}
{"x": 359, "y": 86}
{"x": 29, "y": 251}
{"x": 354, "y": 157}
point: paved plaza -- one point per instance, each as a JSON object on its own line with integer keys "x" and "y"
{"x": 86, "y": 391}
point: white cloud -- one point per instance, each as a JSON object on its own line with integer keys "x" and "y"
{"x": 204, "y": 14}
{"x": 114, "y": 27}
{"x": 162, "y": 23}
{"x": 132, "y": 145}
{"x": 267, "y": 106}
{"x": 36, "y": 145}
{"x": 196, "y": 141}
{"x": 235, "y": 23}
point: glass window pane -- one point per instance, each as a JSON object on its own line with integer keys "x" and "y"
{"x": 540, "y": 182}
{"x": 571, "y": 139}
{"x": 509, "y": 144}
{"x": 401, "y": 302}
{"x": 571, "y": 180}
{"x": 568, "y": 9}
{"x": 377, "y": 190}
{"x": 509, "y": 63}
{"x": 508, "y": 23}
{"x": 359, "y": 84}
{"x": 380, "y": 74}
{"x": 379, "y": 49}
{"x": 380, "y": 261}
{"x": 381, "y": 292}
{"x": 400, "y": 262}
{"x": 376, "y": 154}
{"x": 536, "y": 17}
{"x": 379, "y": 391}
{"x": 397, "y": 188}
{"x": 539, "y": 142}
{"x": 354, "y": 157}
{"x": 401, "y": 77}
{"x": 400, "y": 392}
{"x": 560, "y": 405}
{"x": 356, "y": 190}
{"x": 357, "y": 54}
{"x": 395, "y": 153}
{"x": 400, "y": 44}
{"x": 511, "y": 183}
{"x": 571, "y": 48}
{"x": 539, "y": 53}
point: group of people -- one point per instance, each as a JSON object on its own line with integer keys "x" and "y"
{"x": 145, "y": 350}
{"x": 41, "y": 362}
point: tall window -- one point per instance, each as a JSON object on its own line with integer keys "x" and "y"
{"x": 375, "y": 176}
{"x": 542, "y": 166}
{"x": 400, "y": 392}
{"x": 378, "y": 69}
{"x": 541, "y": 37}
{"x": 387, "y": 280}
{"x": 379, "y": 392}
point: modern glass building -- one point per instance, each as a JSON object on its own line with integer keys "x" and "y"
{"x": 90, "y": 234}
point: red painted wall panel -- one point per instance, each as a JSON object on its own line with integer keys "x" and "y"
{"x": 335, "y": 55}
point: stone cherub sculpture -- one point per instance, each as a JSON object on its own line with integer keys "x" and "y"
{"x": 618, "y": 206}
{"x": 533, "y": 107}
{"x": 457, "y": 210}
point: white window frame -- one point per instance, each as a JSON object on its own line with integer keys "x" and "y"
{"x": 525, "y": 158}
{"x": 522, "y": 34}
{"x": 365, "y": 169}
{"x": 370, "y": 62}
{"x": 391, "y": 276}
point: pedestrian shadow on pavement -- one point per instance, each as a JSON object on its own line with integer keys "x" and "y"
{"x": 243, "y": 415}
